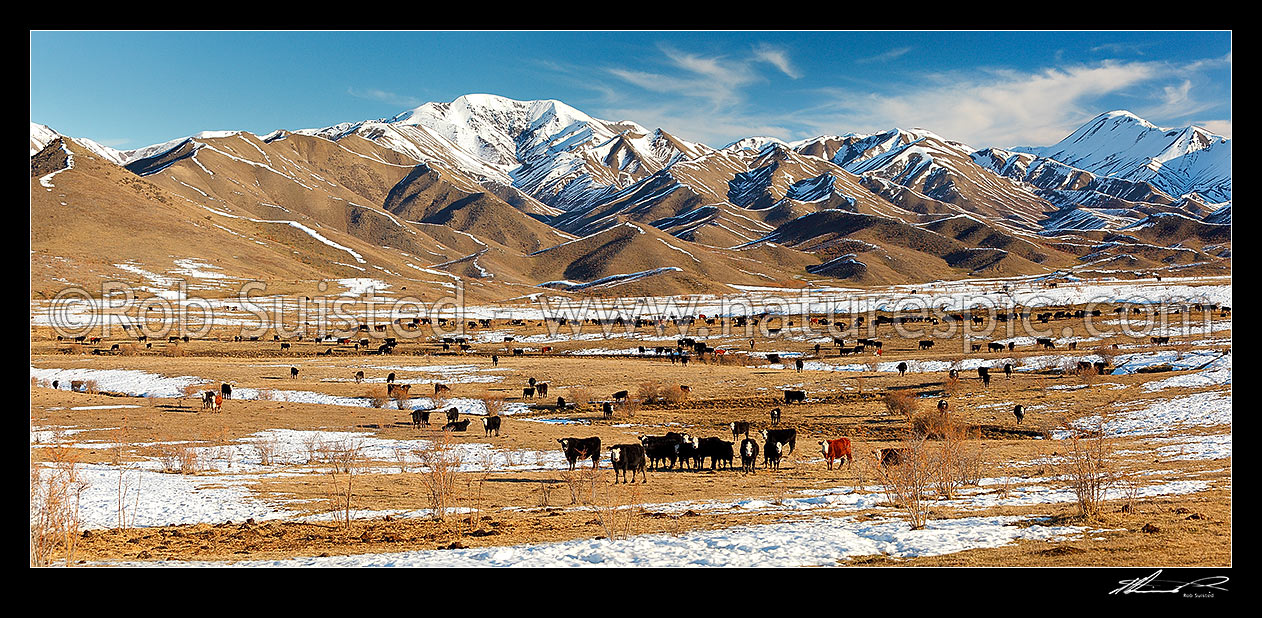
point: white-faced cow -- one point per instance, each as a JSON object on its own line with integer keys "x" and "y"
{"x": 628, "y": 458}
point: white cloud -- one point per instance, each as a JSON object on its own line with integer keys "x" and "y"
{"x": 778, "y": 58}
{"x": 383, "y": 96}
{"x": 885, "y": 57}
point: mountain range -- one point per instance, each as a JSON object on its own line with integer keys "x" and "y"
{"x": 517, "y": 198}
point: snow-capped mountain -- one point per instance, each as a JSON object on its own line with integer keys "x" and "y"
{"x": 483, "y": 186}
{"x": 1122, "y": 145}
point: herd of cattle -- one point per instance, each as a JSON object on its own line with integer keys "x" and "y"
{"x": 690, "y": 452}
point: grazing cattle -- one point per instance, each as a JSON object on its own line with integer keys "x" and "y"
{"x": 749, "y": 456}
{"x": 1073, "y": 345}
{"x": 954, "y": 374}
{"x": 1007, "y": 370}
{"x": 902, "y": 369}
{"x": 607, "y": 409}
{"x": 560, "y": 403}
{"x": 541, "y": 389}
{"x": 420, "y": 418}
{"x": 688, "y": 452}
{"x": 293, "y": 372}
{"x": 441, "y": 388}
{"x": 836, "y": 449}
{"x": 532, "y": 381}
{"x": 794, "y": 396}
{"x": 389, "y": 378}
{"x": 1160, "y": 340}
{"x": 55, "y": 382}
{"x": 284, "y": 346}
{"x": 208, "y": 400}
{"x": 718, "y": 450}
{"x": 495, "y": 360}
{"x": 943, "y": 405}
{"x": 782, "y": 436}
{"x": 663, "y": 449}
{"x": 457, "y": 426}
{"x": 581, "y": 448}
{"x": 1012, "y": 346}
{"x": 621, "y": 396}
{"x": 1046, "y": 343}
{"x": 528, "y": 392}
{"x": 891, "y": 456}
{"x": 798, "y": 364}
{"x": 359, "y": 377}
{"x": 399, "y": 391}
{"x": 994, "y": 347}
{"x": 977, "y": 347}
{"x": 226, "y": 390}
{"x": 775, "y": 416}
{"x": 772, "y": 453}
{"x": 518, "y": 352}
{"x": 453, "y": 415}
{"x": 984, "y": 372}
{"x": 925, "y": 344}
{"x": 739, "y": 428}
{"x": 1100, "y": 367}
{"x": 628, "y": 458}
{"x": 491, "y": 423}
{"x": 773, "y": 358}
{"x": 1019, "y": 412}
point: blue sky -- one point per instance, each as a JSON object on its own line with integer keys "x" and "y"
{"x": 132, "y": 89}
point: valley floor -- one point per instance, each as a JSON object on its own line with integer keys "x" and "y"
{"x": 265, "y": 481}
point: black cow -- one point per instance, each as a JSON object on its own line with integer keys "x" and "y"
{"x": 772, "y": 452}
{"x": 420, "y": 418}
{"x": 925, "y": 344}
{"x": 984, "y": 372}
{"x": 782, "y": 436}
{"x": 902, "y": 368}
{"x": 749, "y": 456}
{"x": 794, "y": 396}
{"x": 293, "y": 372}
{"x": 225, "y": 389}
{"x": 891, "y": 456}
{"x": 1019, "y": 412}
{"x": 718, "y": 450}
{"x": 663, "y": 449}
{"x": 581, "y": 448}
{"x": 457, "y": 425}
{"x": 798, "y": 364}
{"x": 628, "y": 458}
{"x": 1007, "y": 370}
{"x": 453, "y": 415}
{"x": 1046, "y": 343}
{"x": 688, "y": 452}
{"x": 389, "y": 378}
{"x": 528, "y": 392}
{"x": 621, "y": 395}
{"x": 607, "y": 409}
{"x": 775, "y": 416}
{"x": 994, "y": 347}
{"x": 491, "y": 423}
{"x": 739, "y": 428}
{"x": 541, "y": 389}
{"x": 441, "y": 388}
{"x": 359, "y": 377}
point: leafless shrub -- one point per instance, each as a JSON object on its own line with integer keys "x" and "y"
{"x": 267, "y": 449}
{"x": 494, "y": 405}
{"x": 545, "y": 493}
{"x": 672, "y": 394}
{"x": 345, "y": 460}
{"x": 181, "y": 458}
{"x": 378, "y": 397}
{"x": 173, "y": 351}
{"x": 91, "y": 387}
{"x": 580, "y": 395}
{"x": 440, "y": 461}
{"x": 55, "y": 492}
{"x": 906, "y": 484}
{"x": 649, "y": 391}
{"x": 615, "y": 508}
{"x": 630, "y": 406}
{"x": 1089, "y": 466}
{"x": 903, "y": 403}
{"x": 314, "y": 445}
{"x": 956, "y": 462}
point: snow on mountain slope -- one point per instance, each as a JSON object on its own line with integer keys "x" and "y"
{"x": 41, "y": 136}
{"x": 1123, "y": 145}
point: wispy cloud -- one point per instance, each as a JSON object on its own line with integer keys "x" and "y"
{"x": 383, "y": 96}
{"x": 777, "y": 57}
{"x": 892, "y": 54}
{"x": 999, "y": 107}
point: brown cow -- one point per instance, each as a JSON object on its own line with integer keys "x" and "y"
{"x": 836, "y": 449}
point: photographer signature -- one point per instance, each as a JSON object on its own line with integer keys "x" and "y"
{"x": 1141, "y": 584}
